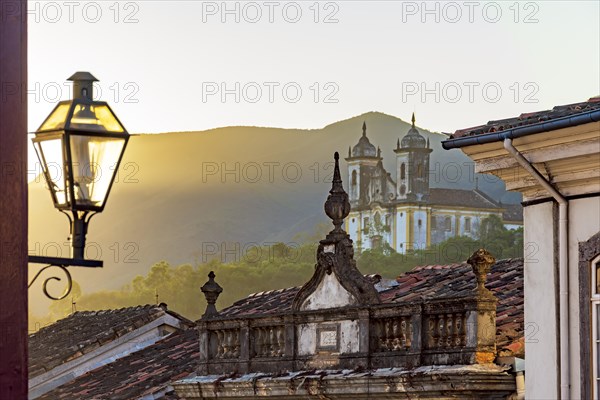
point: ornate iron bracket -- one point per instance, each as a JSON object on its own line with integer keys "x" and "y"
{"x": 62, "y": 264}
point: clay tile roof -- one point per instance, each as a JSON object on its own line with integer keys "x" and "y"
{"x": 430, "y": 281}
{"x": 262, "y": 303}
{"x": 530, "y": 118}
{"x": 512, "y": 212}
{"x": 84, "y": 331}
{"x": 150, "y": 371}
{"x": 144, "y": 373}
{"x": 460, "y": 197}
{"x": 456, "y": 280}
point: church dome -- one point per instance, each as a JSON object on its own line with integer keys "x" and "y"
{"x": 364, "y": 148}
{"x": 413, "y": 138}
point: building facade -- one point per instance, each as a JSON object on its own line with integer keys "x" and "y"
{"x": 436, "y": 332}
{"x": 343, "y": 335}
{"x": 553, "y": 158}
{"x": 406, "y": 213}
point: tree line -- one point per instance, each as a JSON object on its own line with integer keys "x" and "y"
{"x": 274, "y": 267}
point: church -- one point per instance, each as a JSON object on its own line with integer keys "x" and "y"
{"x": 406, "y": 213}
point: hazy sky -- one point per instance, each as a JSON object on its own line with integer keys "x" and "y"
{"x": 164, "y": 65}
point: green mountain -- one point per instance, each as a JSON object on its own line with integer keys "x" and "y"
{"x": 187, "y": 197}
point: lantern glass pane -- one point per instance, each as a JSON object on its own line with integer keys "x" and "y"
{"x": 57, "y": 119}
{"x": 50, "y": 154}
{"x": 94, "y": 166}
{"x": 96, "y": 118}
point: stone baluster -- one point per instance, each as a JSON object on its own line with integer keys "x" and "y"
{"x": 396, "y": 334}
{"x": 221, "y": 346}
{"x": 441, "y": 325}
{"x": 405, "y": 339}
{"x": 280, "y": 341}
{"x": 449, "y": 330}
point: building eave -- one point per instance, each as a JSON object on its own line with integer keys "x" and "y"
{"x": 476, "y": 382}
{"x": 514, "y": 133}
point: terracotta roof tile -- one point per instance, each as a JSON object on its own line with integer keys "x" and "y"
{"x": 145, "y": 372}
{"x": 461, "y": 197}
{"x": 429, "y": 281}
{"x": 512, "y": 212}
{"x": 530, "y": 118}
{"x": 85, "y": 331}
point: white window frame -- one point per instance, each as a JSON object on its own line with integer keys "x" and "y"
{"x": 595, "y": 332}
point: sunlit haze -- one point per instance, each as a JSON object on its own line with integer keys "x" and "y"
{"x": 193, "y": 65}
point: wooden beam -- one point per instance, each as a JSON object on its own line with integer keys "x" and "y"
{"x": 13, "y": 199}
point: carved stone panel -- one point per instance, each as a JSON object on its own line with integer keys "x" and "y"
{"x": 328, "y": 338}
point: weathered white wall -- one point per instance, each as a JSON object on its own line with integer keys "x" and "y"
{"x": 400, "y": 159}
{"x": 352, "y": 226}
{"x": 541, "y": 312}
{"x": 349, "y": 337}
{"x": 329, "y": 294}
{"x": 584, "y": 222}
{"x": 401, "y": 231}
{"x": 420, "y": 233}
{"x": 353, "y": 190}
{"x": 541, "y": 286}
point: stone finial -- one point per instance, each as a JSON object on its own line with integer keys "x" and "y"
{"x": 481, "y": 261}
{"x": 364, "y": 128}
{"x": 349, "y": 152}
{"x": 335, "y": 257}
{"x": 398, "y": 144}
{"x": 211, "y": 290}
{"x": 378, "y": 152}
{"x": 413, "y": 119}
{"x": 337, "y": 206}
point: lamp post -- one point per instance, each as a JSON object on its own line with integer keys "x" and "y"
{"x": 80, "y": 146}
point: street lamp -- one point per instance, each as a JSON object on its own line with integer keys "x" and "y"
{"x": 80, "y": 146}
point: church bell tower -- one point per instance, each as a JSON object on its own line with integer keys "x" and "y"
{"x": 412, "y": 164}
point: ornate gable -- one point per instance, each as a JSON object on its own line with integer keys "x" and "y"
{"x": 337, "y": 282}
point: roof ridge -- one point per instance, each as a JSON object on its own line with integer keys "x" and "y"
{"x": 486, "y": 196}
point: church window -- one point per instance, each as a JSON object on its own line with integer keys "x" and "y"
{"x": 419, "y": 171}
{"x": 420, "y": 222}
{"x": 448, "y": 224}
{"x": 467, "y": 224}
{"x": 387, "y": 220}
{"x": 403, "y": 171}
{"x": 354, "y": 177}
{"x": 433, "y": 223}
{"x": 366, "y": 225}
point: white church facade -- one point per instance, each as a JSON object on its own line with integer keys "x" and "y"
{"x": 407, "y": 213}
